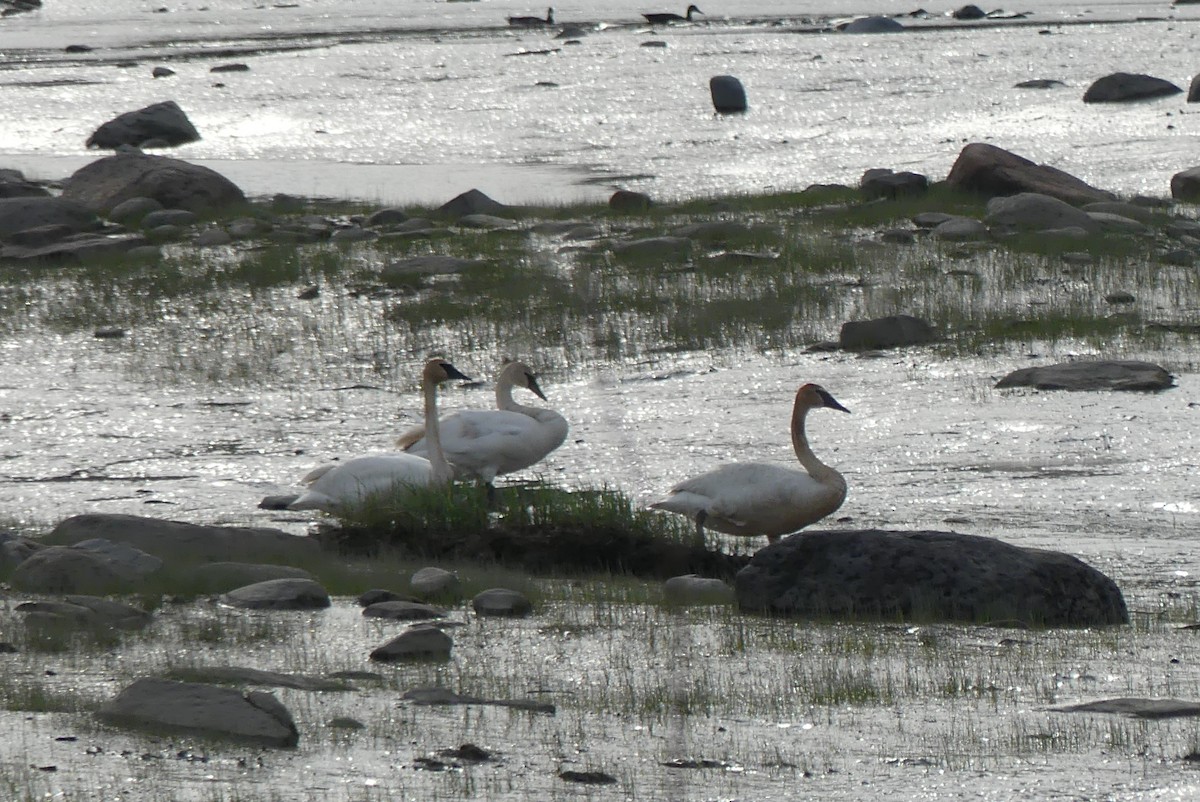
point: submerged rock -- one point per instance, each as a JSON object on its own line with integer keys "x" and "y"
{"x": 445, "y": 696}
{"x": 436, "y": 583}
{"x": 929, "y": 576}
{"x": 1136, "y": 708}
{"x": 256, "y": 717}
{"x": 1097, "y": 374}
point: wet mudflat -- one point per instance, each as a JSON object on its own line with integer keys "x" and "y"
{"x": 229, "y": 388}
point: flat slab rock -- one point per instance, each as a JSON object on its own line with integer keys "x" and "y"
{"x": 926, "y": 576}
{"x": 256, "y": 717}
{"x": 1092, "y": 375}
{"x": 170, "y": 540}
{"x": 1136, "y": 708}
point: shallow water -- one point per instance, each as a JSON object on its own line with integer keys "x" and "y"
{"x": 422, "y": 84}
{"x": 202, "y": 411}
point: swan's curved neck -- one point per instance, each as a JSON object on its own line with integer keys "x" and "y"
{"x": 505, "y": 400}
{"x": 442, "y": 474}
{"x": 817, "y": 469}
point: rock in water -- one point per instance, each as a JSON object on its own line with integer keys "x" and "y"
{"x": 161, "y": 122}
{"x": 728, "y": 94}
{"x": 926, "y": 576}
{"x": 1123, "y": 87}
{"x": 1094, "y": 374}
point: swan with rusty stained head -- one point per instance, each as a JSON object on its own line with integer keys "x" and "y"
{"x": 337, "y": 486}
{"x": 757, "y": 498}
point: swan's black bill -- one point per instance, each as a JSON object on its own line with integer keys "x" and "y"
{"x": 831, "y": 402}
{"x": 453, "y": 372}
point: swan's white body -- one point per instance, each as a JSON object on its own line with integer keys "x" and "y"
{"x": 335, "y": 487}
{"x": 486, "y": 443}
{"x": 754, "y": 498}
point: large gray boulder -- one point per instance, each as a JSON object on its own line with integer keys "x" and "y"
{"x": 1094, "y": 374}
{"x": 991, "y": 171}
{"x": 176, "y": 184}
{"x": 256, "y": 717}
{"x": 176, "y": 540}
{"x": 27, "y": 213}
{"x": 925, "y": 576}
{"x": 1123, "y": 87}
{"x": 1032, "y": 211}
{"x": 158, "y": 125}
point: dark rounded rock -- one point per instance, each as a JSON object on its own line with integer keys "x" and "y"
{"x": 1123, "y": 87}
{"x": 933, "y": 576}
{"x": 728, "y": 94}
{"x": 625, "y": 200}
{"x": 886, "y": 332}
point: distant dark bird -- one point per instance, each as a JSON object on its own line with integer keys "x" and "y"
{"x": 660, "y": 19}
{"x": 532, "y": 22}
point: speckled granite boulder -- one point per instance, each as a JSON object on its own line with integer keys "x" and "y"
{"x": 926, "y": 576}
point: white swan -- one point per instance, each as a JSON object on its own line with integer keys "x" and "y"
{"x": 755, "y": 498}
{"x": 334, "y": 487}
{"x": 486, "y": 443}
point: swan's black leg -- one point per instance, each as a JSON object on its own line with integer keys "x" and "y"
{"x": 700, "y": 516}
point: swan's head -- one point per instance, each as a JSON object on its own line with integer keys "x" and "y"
{"x": 693, "y": 9}
{"x": 439, "y": 370}
{"x": 814, "y": 395}
{"x": 522, "y": 376}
